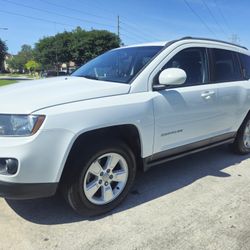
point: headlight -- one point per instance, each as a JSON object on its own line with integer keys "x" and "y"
{"x": 20, "y": 125}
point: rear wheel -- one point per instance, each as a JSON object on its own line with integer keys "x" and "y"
{"x": 102, "y": 177}
{"x": 241, "y": 144}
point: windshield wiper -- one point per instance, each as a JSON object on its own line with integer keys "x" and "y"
{"x": 90, "y": 77}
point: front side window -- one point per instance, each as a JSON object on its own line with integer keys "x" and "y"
{"x": 193, "y": 62}
{"x": 245, "y": 61}
{"x": 120, "y": 65}
{"x": 226, "y": 66}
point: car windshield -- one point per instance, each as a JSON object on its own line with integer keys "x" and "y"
{"x": 120, "y": 65}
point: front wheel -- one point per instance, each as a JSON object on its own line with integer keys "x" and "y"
{"x": 102, "y": 177}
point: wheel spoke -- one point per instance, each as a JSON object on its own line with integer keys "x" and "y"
{"x": 92, "y": 188}
{"x": 246, "y": 136}
{"x": 119, "y": 176}
{"x": 107, "y": 193}
{"x": 247, "y": 131}
{"x": 95, "y": 168}
{"x": 106, "y": 178}
{"x": 112, "y": 161}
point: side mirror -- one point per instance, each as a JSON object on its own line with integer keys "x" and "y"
{"x": 172, "y": 76}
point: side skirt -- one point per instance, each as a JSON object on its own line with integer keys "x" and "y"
{"x": 178, "y": 152}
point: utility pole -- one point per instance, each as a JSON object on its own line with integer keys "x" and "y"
{"x": 235, "y": 39}
{"x": 118, "y": 26}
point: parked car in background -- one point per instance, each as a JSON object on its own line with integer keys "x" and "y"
{"x": 52, "y": 73}
{"x": 133, "y": 107}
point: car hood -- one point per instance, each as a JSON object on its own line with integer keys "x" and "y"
{"x": 29, "y": 96}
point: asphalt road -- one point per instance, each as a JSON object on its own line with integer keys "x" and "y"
{"x": 197, "y": 202}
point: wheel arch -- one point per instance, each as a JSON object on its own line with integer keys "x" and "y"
{"x": 129, "y": 133}
{"x": 246, "y": 116}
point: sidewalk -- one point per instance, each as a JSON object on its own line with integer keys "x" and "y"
{"x": 17, "y": 78}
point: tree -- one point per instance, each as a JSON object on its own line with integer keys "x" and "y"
{"x": 63, "y": 45}
{"x": 78, "y": 46}
{"x": 54, "y": 50}
{"x": 15, "y": 63}
{"x": 26, "y": 53}
{"x": 18, "y": 61}
{"x": 32, "y": 66}
{"x": 46, "y": 52}
{"x": 88, "y": 44}
{"x": 3, "y": 53}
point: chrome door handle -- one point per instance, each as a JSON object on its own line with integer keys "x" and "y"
{"x": 207, "y": 94}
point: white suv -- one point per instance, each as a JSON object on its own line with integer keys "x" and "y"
{"x": 131, "y": 107}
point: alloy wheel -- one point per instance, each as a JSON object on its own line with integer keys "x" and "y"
{"x": 106, "y": 178}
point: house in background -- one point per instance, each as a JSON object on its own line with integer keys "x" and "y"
{"x": 71, "y": 67}
{"x": 5, "y": 64}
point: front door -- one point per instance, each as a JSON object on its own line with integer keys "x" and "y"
{"x": 189, "y": 113}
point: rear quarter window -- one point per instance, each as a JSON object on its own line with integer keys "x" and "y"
{"x": 245, "y": 62}
{"x": 226, "y": 67}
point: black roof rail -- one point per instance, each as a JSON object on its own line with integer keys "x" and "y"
{"x": 213, "y": 40}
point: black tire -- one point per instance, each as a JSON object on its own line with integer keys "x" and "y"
{"x": 239, "y": 146}
{"x": 73, "y": 183}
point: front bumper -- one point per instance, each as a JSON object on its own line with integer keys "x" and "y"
{"x": 26, "y": 191}
{"x": 41, "y": 158}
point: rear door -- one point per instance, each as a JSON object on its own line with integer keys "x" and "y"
{"x": 232, "y": 88}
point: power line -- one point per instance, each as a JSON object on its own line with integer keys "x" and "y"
{"x": 137, "y": 29}
{"x": 58, "y": 14}
{"x": 36, "y": 18}
{"x": 131, "y": 38}
{"x": 223, "y": 16}
{"x": 75, "y": 10}
{"x": 141, "y": 35}
{"x": 50, "y": 21}
{"x": 199, "y": 17}
{"x": 125, "y": 35}
{"x": 146, "y": 32}
{"x": 119, "y": 22}
{"x": 126, "y": 23}
{"x": 135, "y": 34}
{"x": 45, "y": 20}
{"x": 101, "y": 8}
{"x": 213, "y": 17}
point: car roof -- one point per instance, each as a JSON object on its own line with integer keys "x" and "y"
{"x": 160, "y": 43}
{"x": 163, "y": 43}
{"x": 191, "y": 39}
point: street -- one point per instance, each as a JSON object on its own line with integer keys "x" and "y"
{"x": 201, "y": 201}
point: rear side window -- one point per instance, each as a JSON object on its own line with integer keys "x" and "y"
{"x": 226, "y": 67}
{"x": 245, "y": 61}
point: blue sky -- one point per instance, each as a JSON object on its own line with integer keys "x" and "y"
{"x": 141, "y": 21}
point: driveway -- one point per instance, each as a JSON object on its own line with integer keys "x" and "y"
{"x": 201, "y": 201}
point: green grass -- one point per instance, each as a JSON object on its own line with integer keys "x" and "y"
{"x": 6, "y": 82}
